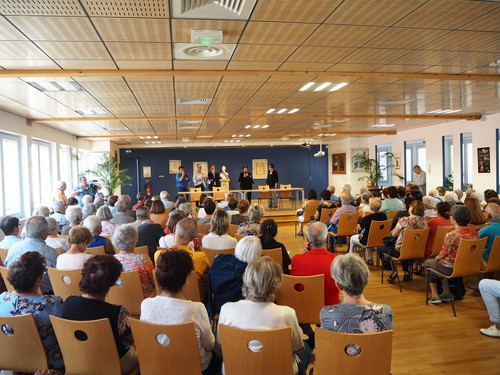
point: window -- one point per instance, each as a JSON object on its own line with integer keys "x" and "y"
{"x": 41, "y": 173}
{"x": 415, "y": 154}
{"x": 448, "y": 162}
{"x": 466, "y": 160}
{"x": 384, "y": 160}
{"x": 10, "y": 175}
{"x": 68, "y": 166}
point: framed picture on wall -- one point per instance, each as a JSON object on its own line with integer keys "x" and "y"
{"x": 146, "y": 171}
{"x": 338, "y": 163}
{"x": 259, "y": 168}
{"x": 204, "y": 166}
{"x": 173, "y": 166}
{"x": 397, "y": 163}
{"x": 483, "y": 160}
{"x": 355, "y": 154}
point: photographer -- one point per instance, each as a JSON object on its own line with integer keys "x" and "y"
{"x": 85, "y": 189}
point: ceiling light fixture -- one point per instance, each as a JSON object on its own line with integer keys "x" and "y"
{"x": 256, "y": 126}
{"x": 271, "y": 110}
{"x": 265, "y": 126}
{"x": 339, "y": 86}
{"x": 282, "y": 110}
{"x": 307, "y": 85}
{"x": 248, "y": 135}
{"x": 56, "y": 86}
{"x": 248, "y": 126}
{"x": 294, "y": 110}
{"x": 94, "y": 112}
{"x": 322, "y": 86}
{"x": 383, "y": 125}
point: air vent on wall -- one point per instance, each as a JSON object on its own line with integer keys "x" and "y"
{"x": 213, "y": 9}
{"x": 193, "y": 101}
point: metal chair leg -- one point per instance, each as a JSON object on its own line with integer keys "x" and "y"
{"x": 426, "y": 286}
{"x": 394, "y": 267}
{"x": 445, "y": 281}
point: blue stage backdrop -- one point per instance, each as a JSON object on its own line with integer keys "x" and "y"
{"x": 295, "y": 165}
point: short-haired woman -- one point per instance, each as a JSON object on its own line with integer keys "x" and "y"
{"x": 324, "y": 203}
{"x": 445, "y": 260}
{"x": 217, "y": 238}
{"x": 209, "y": 209}
{"x": 355, "y": 314}
{"x": 170, "y": 307}
{"x": 242, "y": 215}
{"x": 79, "y": 238}
{"x": 443, "y": 219}
{"x": 108, "y": 228}
{"x": 74, "y": 216}
{"x": 173, "y": 218}
{"x": 95, "y": 227}
{"x": 430, "y": 206}
{"x": 252, "y": 227}
{"x": 269, "y": 230}
{"x": 26, "y": 275}
{"x": 258, "y": 310}
{"x": 124, "y": 239}
{"x": 52, "y": 240}
{"x": 158, "y": 213}
{"x": 99, "y": 274}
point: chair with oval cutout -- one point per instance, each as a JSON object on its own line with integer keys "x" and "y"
{"x": 191, "y": 290}
{"x": 346, "y": 226}
{"x": 212, "y": 253}
{"x": 127, "y": 292}
{"x": 98, "y": 250}
{"x": 276, "y": 254}
{"x": 378, "y": 230}
{"x": 439, "y": 240}
{"x": 494, "y": 258}
{"x": 65, "y": 282}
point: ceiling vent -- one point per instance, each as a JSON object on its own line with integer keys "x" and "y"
{"x": 188, "y": 51}
{"x": 213, "y": 9}
{"x": 193, "y": 101}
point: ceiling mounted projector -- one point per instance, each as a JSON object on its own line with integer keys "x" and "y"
{"x": 319, "y": 154}
{"x": 305, "y": 145}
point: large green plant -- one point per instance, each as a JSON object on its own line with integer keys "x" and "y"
{"x": 109, "y": 176}
{"x": 373, "y": 169}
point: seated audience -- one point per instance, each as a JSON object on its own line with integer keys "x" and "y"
{"x": 242, "y": 215}
{"x": 59, "y": 211}
{"x": 41, "y": 211}
{"x": 72, "y": 201}
{"x": 333, "y": 198}
{"x": 120, "y": 216}
{"x": 108, "y": 228}
{"x": 52, "y": 240}
{"x": 346, "y": 208}
{"x": 187, "y": 208}
{"x": 451, "y": 197}
{"x": 140, "y": 200}
{"x": 112, "y": 199}
{"x": 86, "y": 199}
{"x": 258, "y": 311}
{"x": 99, "y": 202}
{"x": 490, "y": 291}
{"x": 492, "y": 212}
{"x": 74, "y": 216}
{"x": 26, "y": 275}
{"x": 269, "y": 230}
{"x": 170, "y": 307}
{"x": 124, "y": 239}
{"x": 225, "y": 277}
{"x": 445, "y": 260}
{"x": 435, "y": 195}
{"x": 355, "y": 314}
{"x": 407, "y": 201}
{"x": 364, "y": 206}
{"x": 158, "y": 213}
{"x": 148, "y": 203}
{"x": 95, "y": 227}
{"x": 477, "y": 216}
{"x": 459, "y": 194}
{"x": 128, "y": 201}
{"x": 217, "y": 237}
{"x": 164, "y": 198}
{"x": 252, "y": 226}
{"x": 312, "y": 200}
{"x": 391, "y": 201}
{"x": 149, "y": 232}
{"x": 10, "y": 227}
{"x": 443, "y": 220}
{"x": 173, "y": 218}
{"x": 429, "y": 206}
{"x": 324, "y": 203}
{"x": 79, "y": 237}
{"x": 209, "y": 209}
{"x": 99, "y": 274}
{"x": 201, "y": 211}
{"x": 489, "y": 194}
{"x": 232, "y": 204}
{"x": 414, "y": 221}
{"x": 223, "y": 204}
{"x": 363, "y": 229}
{"x": 88, "y": 209}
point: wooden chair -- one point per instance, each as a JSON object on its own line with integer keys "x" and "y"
{"x": 195, "y": 194}
{"x": 212, "y": 253}
{"x": 218, "y": 196}
{"x": 286, "y": 194}
{"x": 127, "y": 292}
{"x": 22, "y": 348}
{"x": 439, "y": 240}
{"x": 142, "y": 250}
{"x": 391, "y": 214}
{"x": 199, "y": 237}
{"x": 429, "y": 218}
{"x": 332, "y": 358}
{"x": 203, "y": 228}
{"x": 276, "y": 254}
{"x": 378, "y": 230}
{"x": 304, "y": 294}
{"x": 264, "y": 193}
{"x": 346, "y": 226}
{"x": 65, "y": 282}
{"x": 413, "y": 247}
{"x": 158, "y": 344}
{"x": 270, "y": 355}
{"x": 58, "y": 250}
{"x": 88, "y": 347}
{"x": 467, "y": 262}
{"x": 309, "y": 211}
{"x": 4, "y": 271}
{"x": 327, "y": 213}
{"x": 3, "y": 255}
{"x": 494, "y": 259}
{"x": 98, "y": 250}
{"x": 61, "y": 236}
{"x": 232, "y": 229}
{"x": 239, "y": 236}
{"x": 478, "y": 226}
{"x": 191, "y": 290}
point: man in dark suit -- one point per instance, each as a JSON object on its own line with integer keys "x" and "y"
{"x": 213, "y": 178}
{"x": 272, "y": 182}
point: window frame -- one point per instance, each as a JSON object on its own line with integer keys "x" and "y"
{"x": 4, "y": 180}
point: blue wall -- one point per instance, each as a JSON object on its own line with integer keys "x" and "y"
{"x": 295, "y": 165}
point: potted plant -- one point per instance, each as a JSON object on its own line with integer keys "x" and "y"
{"x": 374, "y": 170}
{"x": 109, "y": 175}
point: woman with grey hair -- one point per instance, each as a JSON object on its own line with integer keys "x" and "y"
{"x": 52, "y": 240}
{"x": 252, "y": 227}
{"x": 258, "y": 310}
{"x": 124, "y": 239}
{"x": 41, "y": 211}
{"x": 355, "y": 314}
{"x": 74, "y": 216}
{"x": 88, "y": 209}
{"x": 108, "y": 228}
{"x": 93, "y": 223}
{"x": 430, "y": 206}
{"x": 217, "y": 238}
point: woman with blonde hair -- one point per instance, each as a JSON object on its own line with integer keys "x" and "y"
{"x": 79, "y": 238}
{"x": 477, "y": 215}
{"x": 217, "y": 238}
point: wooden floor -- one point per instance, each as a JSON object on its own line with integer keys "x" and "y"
{"x": 428, "y": 339}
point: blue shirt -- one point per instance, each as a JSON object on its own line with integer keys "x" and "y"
{"x": 8, "y": 241}
{"x": 490, "y": 231}
{"x": 334, "y": 199}
{"x": 87, "y": 190}
{"x": 179, "y": 183}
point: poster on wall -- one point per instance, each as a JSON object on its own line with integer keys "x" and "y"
{"x": 259, "y": 168}
{"x": 483, "y": 160}
{"x": 356, "y": 153}
{"x": 173, "y": 166}
{"x": 146, "y": 171}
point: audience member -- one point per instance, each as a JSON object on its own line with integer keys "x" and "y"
{"x": 364, "y": 206}
{"x": 324, "y": 203}
{"x": 490, "y": 291}
{"x": 93, "y": 223}
{"x": 489, "y": 194}
{"x": 10, "y": 227}
{"x": 223, "y": 205}
{"x": 72, "y": 201}
{"x": 88, "y": 209}
{"x": 158, "y": 213}
{"x": 443, "y": 220}
{"x": 75, "y": 216}
{"x": 59, "y": 211}
{"x": 232, "y": 204}
{"x": 168, "y": 240}
{"x": 60, "y": 194}
{"x": 126, "y": 198}
{"x": 333, "y": 198}
{"x": 407, "y": 201}
{"x": 429, "y": 206}
{"x": 108, "y": 228}
{"x": 79, "y": 237}
{"x": 86, "y": 199}
{"x": 346, "y": 208}
{"x": 164, "y": 198}
{"x": 492, "y": 212}
{"x": 435, "y": 195}
{"x": 252, "y": 226}
{"x": 187, "y": 208}
{"x": 149, "y": 232}
{"x": 99, "y": 202}
{"x": 209, "y": 209}
{"x": 269, "y": 230}
{"x": 242, "y": 215}
{"x": 477, "y": 215}
{"x": 120, "y": 216}
{"x": 52, "y": 239}
{"x": 112, "y": 199}
{"x": 391, "y": 201}
{"x": 140, "y": 200}
{"x": 459, "y": 194}
{"x": 451, "y": 198}
{"x": 217, "y": 237}
{"x": 41, "y": 211}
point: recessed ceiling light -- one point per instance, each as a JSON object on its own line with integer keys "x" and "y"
{"x": 256, "y": 126}
{"x": 226, "y": 141}
{"x": 248, "y": 135}
{"x": 285, "y": 138}
{"x": 156, "y": 137}
{"x": 339, "y": 86}
{"x": 383, "y": 125}
{"x": 320, "y": 135}
{"x": 238, "y": 141}
{"x": 294, "y": 110}
{"x": 231, "y": 141}
{"x": 445, "y": 111}
{"x": 147, "y": 143}
{"x": 185, "y": 139}
{"x": 306, "y": 86}
{"x": 248, "y": 126}
{"x": 56, "y": 86}
{"x": 241, "y": 135}
{"x": 94, "y": 112}
{"x": 265, "y": 126}
{"x": 141, "y": 137}
{"x": 271, "y": 110}
{"x": 282, "y": 110}
{"x": 322, "y": 86}
{"x": 234, "y": 135}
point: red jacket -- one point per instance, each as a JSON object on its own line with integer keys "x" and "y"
{"x": 316, "y": 262}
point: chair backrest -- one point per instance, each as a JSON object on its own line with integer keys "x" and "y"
{"x": 212, "y": 253}
{"x": 478, "y": 226}
{"x": 199, "y": 237}
{"x": 263, "y": 187}
{"x": 58, "y": 250}
{"x": 191, "y": 290}
{"x": 203, "y": 228}
{"x": 304, "y": 294}
{"x": 217, "y": 195}
{"x": 286, "y": 192}
{"x": 239, "y": 236}
{"x": 276, "y": 254}
{"x": 327, "y": 213}
{"x": 4, "y": 271}
{"x": 88, "y": 347}
{"x": 61, "y": 236}
{"x": 413, "y": 246}
{"x": 392, "y": 213}
{"x": 127, "y": 292}
{"x": 158, "y": 344}
{"x": 285, "y": 186}
{"x": 439, "y": 239}
{"x": 232, "y": 229}
{"x": 65, "y": 282}
{"x": 309, "y": 211}
{"x": 142, "y": 250}
{"x": 195, "y": 194}
{"x": 469, "y": 255}
{"x": 494, "y": 259}
{"x": 22, "y": 348}
{"x": 250, "y": 352}
{"x": 371, "y": 353}
{"x": 3, "y": 254}
{"x": 347, "y": 224}
{"x": 98, "y": 250}
{"x": 378, "y": 230}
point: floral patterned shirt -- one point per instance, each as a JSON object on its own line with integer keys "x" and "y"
{"x": 249, "y": 229}
{"x": 41, "y": 306}
{"x": 141, "y": 263}
{"x": 108, "y": 228}
{"x": 451, "y": 243}
{"x": 411, "y": 222}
